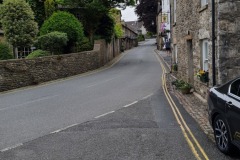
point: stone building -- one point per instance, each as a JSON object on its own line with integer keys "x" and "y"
{"x": 163, "y": 23}
{"x": 191, "y": 31}
{"x": 137, "y": 27}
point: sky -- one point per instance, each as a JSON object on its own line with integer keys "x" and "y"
{"x": 128, "y": 14}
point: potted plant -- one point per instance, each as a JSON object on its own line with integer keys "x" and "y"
{"x": 203, "y": 76}
{"x": 183, "y": 86}
{"x": 175, "y": 67}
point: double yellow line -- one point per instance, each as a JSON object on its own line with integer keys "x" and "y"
{"x": 194, "y": 145}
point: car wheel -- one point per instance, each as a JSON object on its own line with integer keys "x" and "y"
{"x": 222, "y": 135}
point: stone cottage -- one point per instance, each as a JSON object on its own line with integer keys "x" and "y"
{"x": 191, "y": 32}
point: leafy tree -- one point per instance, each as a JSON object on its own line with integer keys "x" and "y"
{"x": 19, "y": 26}
{"x": 147, "y": 11}
{"x": 116, "y": 14}
{"x": 106, "y": 28}
{"x": 54, "y": 42}
{"x": 5, "y": 52}
{"x": 91, "y": 16}
{"x": 39, "y": 11}
{"x": 107, "y": 3}
{"x": 64, "y": 22}
{"x": 92, "y": 12}
{"x": 50, "y": 7}
{"x": 38, "y": 53}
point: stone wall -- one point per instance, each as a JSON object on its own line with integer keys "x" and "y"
{"x": 24, "y": 72}
{"x": 191, "y": 27}
{"x": 228, "y": 38}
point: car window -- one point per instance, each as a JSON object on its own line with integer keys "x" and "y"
{"x": 235, "y": 88}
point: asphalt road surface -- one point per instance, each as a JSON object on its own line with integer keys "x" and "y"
{"x": 117, "y": 114}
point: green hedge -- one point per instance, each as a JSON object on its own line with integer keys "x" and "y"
{"x": 5, "y": 52}
{"x": 38, "y": 53}
{"x": 54, "y": 42}
{"x": 66, "y": 23}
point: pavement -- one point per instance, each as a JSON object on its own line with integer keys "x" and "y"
{"x": 194, "y": 104}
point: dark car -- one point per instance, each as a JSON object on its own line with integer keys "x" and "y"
{"x": 224, "y": 115}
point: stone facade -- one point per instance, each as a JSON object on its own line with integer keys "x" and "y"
{"x": 193, "y": 26}
{"x": 24, "y": 72}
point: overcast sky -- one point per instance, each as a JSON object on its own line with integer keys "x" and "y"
{"x": 128, "y": 14}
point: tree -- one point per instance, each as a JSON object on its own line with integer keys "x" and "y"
{"x": 92, "y": 12}
{"x": 147, "y": 12}
{"x": 39, "y": 11}
{"x": 107, "y": 3}
{"x": 50, "y": 7}
{"x": 64, "y": 22}
{"x": 106, "y": 28}
{"x": 18, "y": 23}
{"x": 116, "y": 14}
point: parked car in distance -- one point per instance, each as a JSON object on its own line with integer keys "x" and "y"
{"x": 224, "y": 115}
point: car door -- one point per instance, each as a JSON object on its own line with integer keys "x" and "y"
{"x": 233, "y": 110}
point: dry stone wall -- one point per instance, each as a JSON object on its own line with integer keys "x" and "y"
{"x": 24, "y": 72}
{"x": 228, "y": 39}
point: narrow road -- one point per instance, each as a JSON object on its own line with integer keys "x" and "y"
{"x": 118, "y": 113}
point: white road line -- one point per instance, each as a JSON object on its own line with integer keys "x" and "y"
{"x": 130, "y": 104}
{"x": 104, "y": 114}
{"x": 12, "y": 147}
{"x": 147, "y": 96}
{"x": 59, "y": 130}
{"x": 36, "y": 100}
{"x": 101, "y": 82}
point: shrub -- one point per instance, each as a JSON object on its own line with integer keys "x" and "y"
{"x": 141, "y": 38}
{"x": 106, "y": 28}
{"x": 64, "y": 22}
{"x": 53, "y": 42}
{"x": 183, "y": 86}
{"x": 38, "y": 53}
{"x": 85, "y": 45}
{"x": 5, "y": 52}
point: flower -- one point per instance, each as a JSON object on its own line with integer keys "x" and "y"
{"x": 203, "y": 75}
{"x": 200, "y": 73}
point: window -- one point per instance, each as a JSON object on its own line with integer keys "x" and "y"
{"x": 205, "y": 55}
{"x": 235, "y": 88}
{"x": 174, "y": 11}
{"x": 204, "y": 3}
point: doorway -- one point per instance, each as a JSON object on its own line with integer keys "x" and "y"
{"x": 190, "y": 62}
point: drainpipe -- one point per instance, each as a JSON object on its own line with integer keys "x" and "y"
{"x": 213, "y": 44}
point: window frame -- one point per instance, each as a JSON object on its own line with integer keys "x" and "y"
{"x": 174, "y": 11}
{"x": 229, "y": 90}
{"x": 204, "y": 3}
{"x": 204, "y": 54}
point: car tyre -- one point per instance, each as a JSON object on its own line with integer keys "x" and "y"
{"x": 222, "y": 135}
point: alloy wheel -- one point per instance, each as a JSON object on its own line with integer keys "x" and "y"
{"x": 221, "y": 134}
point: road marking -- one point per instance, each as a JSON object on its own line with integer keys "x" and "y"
{"x": 147, "y": 96}
{"x": 101, "y": 82}
{"x": 62, "y": 129}
{"x": 128, "y": 105}
{"x": 12, "y": 147}
{"x": 29, "y": 102}
{"x": 104, "y": 114}
{"x": 184, "y": 127}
